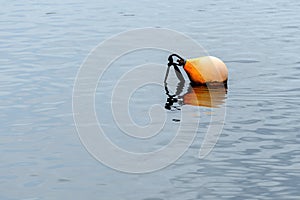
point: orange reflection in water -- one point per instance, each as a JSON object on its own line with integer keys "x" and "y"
{"x": 205, "y": 96}
{"x": 202, "y": 95}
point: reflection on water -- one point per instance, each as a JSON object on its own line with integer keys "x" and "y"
{"x": 211, "y": 96}
{"x": 200, "y": 95}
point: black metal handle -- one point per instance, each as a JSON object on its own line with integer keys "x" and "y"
{"x": 179, "y": 62}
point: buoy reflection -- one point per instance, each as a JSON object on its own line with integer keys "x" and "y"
{"x": 212, "y": 96}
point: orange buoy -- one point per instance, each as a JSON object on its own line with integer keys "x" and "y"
{"x": 203, "y": 70}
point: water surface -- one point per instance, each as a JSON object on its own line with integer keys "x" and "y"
{"x": 42, "y": 45}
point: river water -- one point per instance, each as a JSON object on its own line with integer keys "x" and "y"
{"x": 43, "y": 44}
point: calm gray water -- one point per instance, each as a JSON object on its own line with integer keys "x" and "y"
{"x": 42, "y": 45}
